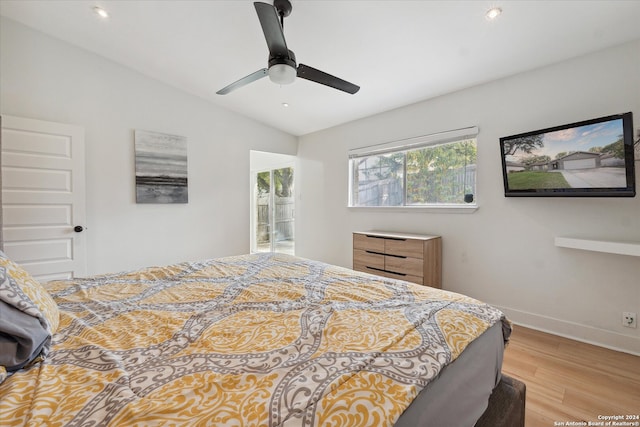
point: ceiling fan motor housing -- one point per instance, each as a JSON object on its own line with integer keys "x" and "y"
{"x": 283, "y": 7}
{"x": 290, "y": 60}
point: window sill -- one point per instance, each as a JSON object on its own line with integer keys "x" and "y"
{"x": 457, "y": 209}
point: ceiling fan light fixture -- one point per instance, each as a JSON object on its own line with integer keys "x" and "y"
{"x": 282, "y": 74}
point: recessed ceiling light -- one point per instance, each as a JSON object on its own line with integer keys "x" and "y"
{"x": 100, "y": 12}
{"x": 285, "y": 105}
{"x": 493, "y": 13}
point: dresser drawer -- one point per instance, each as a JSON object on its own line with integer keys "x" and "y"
{"x": 368, "y": 243}
{"x": 364, "y": 259}
{"x": 404, "y": 247}
{"x": 408, "y": 266}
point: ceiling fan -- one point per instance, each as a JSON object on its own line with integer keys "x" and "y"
{"x": 282, "y": 62}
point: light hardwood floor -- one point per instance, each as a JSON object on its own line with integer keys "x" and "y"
{"x": 571, "y": 381}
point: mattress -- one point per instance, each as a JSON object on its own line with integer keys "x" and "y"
{"x": 254, "y": 340}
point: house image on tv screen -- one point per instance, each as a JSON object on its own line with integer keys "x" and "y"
{"x": 577, "y": 160}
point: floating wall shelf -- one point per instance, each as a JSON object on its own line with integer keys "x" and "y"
{"x": 621, "y": 248}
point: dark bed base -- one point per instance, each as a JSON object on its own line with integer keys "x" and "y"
{"x": 506, "y": 405}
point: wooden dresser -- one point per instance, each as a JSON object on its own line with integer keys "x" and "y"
{"x": 412, "y": 257}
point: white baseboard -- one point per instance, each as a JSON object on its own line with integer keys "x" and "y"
{"x": 575, "y": 331}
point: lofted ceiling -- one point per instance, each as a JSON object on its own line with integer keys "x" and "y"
{"x": 399, "y": 52}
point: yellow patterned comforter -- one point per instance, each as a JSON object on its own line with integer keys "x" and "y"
{"x": 254, "y": 340}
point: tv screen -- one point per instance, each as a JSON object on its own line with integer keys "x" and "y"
{"x": 593, "y": 158}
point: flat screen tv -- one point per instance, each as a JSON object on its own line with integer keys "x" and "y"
{"x": 593, "y": 158}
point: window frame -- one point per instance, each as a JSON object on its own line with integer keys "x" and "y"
{"x": 403, "y": 146}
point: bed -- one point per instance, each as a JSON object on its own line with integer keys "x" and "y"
{"x": 251, "y": 340}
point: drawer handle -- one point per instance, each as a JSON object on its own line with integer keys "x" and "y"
{"x": 386, "y": 271}
{"x": 374, "y": 252}
{"x": 381, "y": 253}
{"x": 395, "y": 272}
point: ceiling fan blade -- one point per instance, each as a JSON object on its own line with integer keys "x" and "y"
{"x": 272, "y": 29}
{"x": 244, "y": 81}
{"x": 310, "y": 73}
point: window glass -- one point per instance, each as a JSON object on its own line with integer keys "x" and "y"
{"x": 431, "y": 175}
{"x": 274, "y": 211}
{"x": 378, "y": 180}
{"x": 441, "y": 173}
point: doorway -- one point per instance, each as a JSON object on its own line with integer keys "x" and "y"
{"x": 272, "y": 203}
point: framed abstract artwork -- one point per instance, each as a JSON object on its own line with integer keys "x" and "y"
{"x": 161, "y": 168}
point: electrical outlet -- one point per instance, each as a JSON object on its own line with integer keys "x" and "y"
{"x": 629, "y": 320}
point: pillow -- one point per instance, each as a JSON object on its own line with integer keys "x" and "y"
{"x": 28, "y": 318}
{"x": 33, "y": 290}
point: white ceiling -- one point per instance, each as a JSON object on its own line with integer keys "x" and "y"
{"x": 399, "y": 52}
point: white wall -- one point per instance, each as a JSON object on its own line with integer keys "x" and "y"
{"x": 503, "y": 253}
{"x": 46, "y": 79}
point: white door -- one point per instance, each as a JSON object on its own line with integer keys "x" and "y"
{"x": 43, "y": 197}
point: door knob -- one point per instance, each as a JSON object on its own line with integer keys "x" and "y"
{"x": 78, "y": 228}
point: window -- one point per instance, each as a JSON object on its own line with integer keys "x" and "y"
{"x": 437, "y": 170}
